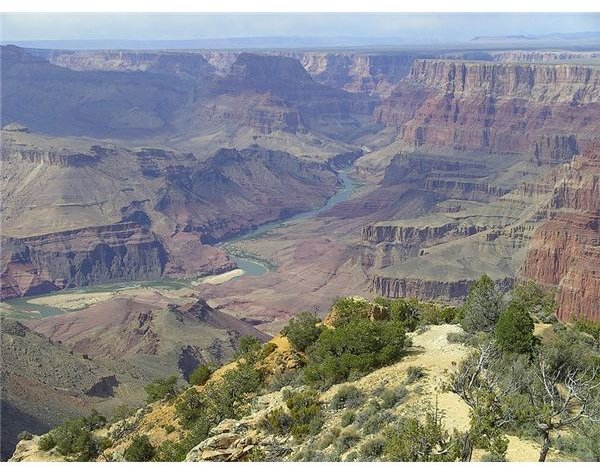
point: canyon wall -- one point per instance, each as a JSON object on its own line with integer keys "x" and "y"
{"x": 565, "y": 252}
{"x": 491, "y": 106}
{"x": 41, "y": 264}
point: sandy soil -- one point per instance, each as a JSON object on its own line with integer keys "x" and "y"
{"x": 432, "y": 351}
{"x": 73, "y": 301}
{"x": 220, "y": 278}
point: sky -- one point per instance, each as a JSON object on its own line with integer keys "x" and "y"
{"x": 182, "y": 26}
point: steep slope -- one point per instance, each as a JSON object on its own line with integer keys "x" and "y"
{"x": 492, "y": 107}
{"x": 44, "y": 383}
{"x": 565, "y": 252}
{"x": 77, "y": 214}
{"x": 155, "y": 334}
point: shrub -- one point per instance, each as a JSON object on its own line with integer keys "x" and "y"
{"x": 140, "y": 449}
{"x": 538, "y": 302}
{"x": 121, "y": 412}
{"x": 169, "y": 428}
{"x": 347, "y": 309}
{"x": 437, "y": 314}
{"x": 372, "y": 448}
{"x": 305, "y": 412}
{"x": 278, "y": 421}
{"x": 328, "y": 438}
{"x": 366, "y": 412}
{"x": 377, "y": 422}
{"x": 267, "y": 349}
{"x": 46, "y": 442}
{"x": 302, "y": 330}
{"x": 248, "y": 348}
{"x": 293, "y": 377}
{"x": 347, "y": 396}
{"x": 348, "y": 437}
{"x": 405, "y": 310}
{"x": 348, "y": 418}
{"x": 391, "y": 397}
{"x": 200, "y": 375}
{"x": 415, "y": 440}
{"x": 190, "y": 406}
{"x": 414, "y": 373}
{"x": 458, "y": 337}
{"x": 161, "y": 389}
{"x": 73, "y": 438}
{"x": 25, "y": 435}
{"x": 514, "y": 330}
{"x": 353, "y": 349}
{"x": 482, "y": 307}
{"x": 589, "y": 327}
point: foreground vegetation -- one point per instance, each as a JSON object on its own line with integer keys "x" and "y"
{"x": 516, "y": 381}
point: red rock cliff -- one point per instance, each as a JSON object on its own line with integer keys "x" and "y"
{"x": 491, "y": 106}
{"x": 565, "y": 252}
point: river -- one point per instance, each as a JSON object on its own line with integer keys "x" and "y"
{"x": 22, "y": 308}
{"x": 255, "y": 266}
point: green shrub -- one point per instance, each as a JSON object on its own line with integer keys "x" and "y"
{"x": 328, "y": 438}
{"x": 458, "y": 337}
{"x": 292, "y": 377}
{"x": 414, "y": 440}
{"x": 348, "y": 418}
{"x": 190, "y": 405}
{"x": 437, "y": 314}
{"x": 302, "y": 330}
{"x": 267, "y": 349}
{"x": 349, "y": 309}
{"x": 248, "y": 348}
{"x": 414, "y": 373}
{"x": 161, "y": 389}
{"x": 391, "y": 397}
{"x": 140, "y": 449}
{"x": 200, "y": 375}
{"x": 405, "y": 310}
{"x": 47, "y": 442}
{"x": 347, "y": 396}
{"x": 25, "y": 435}
{"x": 352, "y": 350}
{"x": 278, "y": 421}
{"x": 169, "y": 428}
{"x": 482, "y": 307}
{"x": 348, "y": 437}
{"x": 372, "y": 408}
{"x": 539, "y": 302}
{"x": 305, "y": 412}
{"x": 372, "y": 448}
{"x": 377, "y": 422}
{"x": 514, "y": 330}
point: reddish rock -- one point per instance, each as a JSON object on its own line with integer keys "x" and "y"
{"x": 565, "y": 252}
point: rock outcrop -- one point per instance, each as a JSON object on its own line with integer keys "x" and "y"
{"x": 82, "y": 257}
{"x": 565, "y": 252}
{"x": 491, "y": 106}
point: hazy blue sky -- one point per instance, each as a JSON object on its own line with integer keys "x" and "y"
{"x": 142, "y": 26}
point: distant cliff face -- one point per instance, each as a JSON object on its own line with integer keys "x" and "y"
{"x": 120, "y": 252}
{"x": 370, "y": 73}
{"x": 495, "y": 107}
{"x": 189, "y": 65}
{"x": 110, "y": 214}
{"x": 565, "y": 252}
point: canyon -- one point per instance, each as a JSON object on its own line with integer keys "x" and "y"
{"x": 145, "y": 172}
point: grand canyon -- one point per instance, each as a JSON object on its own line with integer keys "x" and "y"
{"x": 159, "y": 206}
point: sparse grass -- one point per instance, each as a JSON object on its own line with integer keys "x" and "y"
{"x": 347, "y": 396}
{"x": 348, "y": 437}
{"x": 348, "y": 418}
{"x": 414, "y": 373}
